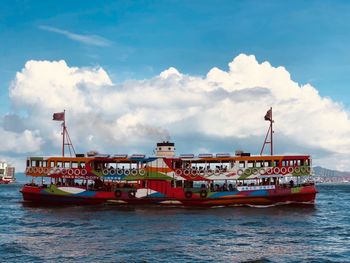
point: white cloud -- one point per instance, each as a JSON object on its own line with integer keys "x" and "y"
{"x": 94, "y": 40}
{"x": 223, "y": 106}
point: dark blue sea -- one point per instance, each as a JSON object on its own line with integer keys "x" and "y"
{"x": 319, "y": 233}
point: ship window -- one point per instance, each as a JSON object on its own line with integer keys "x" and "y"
{"x": 44, "y": 163}
{"x": 169, "y": 148}
{"x": 275, "y": 163}
{"x": 284, "y": 163}
{"x": 66, "y": 164}
{"x": 52, "y": 164}
{"x": 33, "y": 164}
{"x": 82, "y": 165}
{"x": 250, "y": 164}
{"x": 28, "y": 163}
{"x": 258, "y": 164}
{"x": 179, "y": 183}
{"x": 74, "y": 165}
{"x": 267, "y": 164}
{"x": 59, "y": 164}
{"x": 241, "y": 164}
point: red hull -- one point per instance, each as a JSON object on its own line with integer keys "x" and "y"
{"x": 35, "y": 195}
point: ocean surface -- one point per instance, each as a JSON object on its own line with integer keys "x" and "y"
{"x": 319, "y": 233}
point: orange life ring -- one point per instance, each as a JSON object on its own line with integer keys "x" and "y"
{"x": 203, "y": 193}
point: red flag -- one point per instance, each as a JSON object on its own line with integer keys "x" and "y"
{"x": 268, "y": 115}
{"x": 59, "y": 116}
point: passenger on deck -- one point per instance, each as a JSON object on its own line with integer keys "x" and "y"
{"x": 291, "y": 183}
{"x": 230, "y": 187}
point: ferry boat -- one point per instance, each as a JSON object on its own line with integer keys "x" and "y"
{"x": 188, "y": 180}
{"x": 7, "y": 173}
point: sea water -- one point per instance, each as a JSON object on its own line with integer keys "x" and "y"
{"x": 106, "y": 233}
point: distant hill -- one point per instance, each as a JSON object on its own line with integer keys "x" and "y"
{"x": 328, "y": 175}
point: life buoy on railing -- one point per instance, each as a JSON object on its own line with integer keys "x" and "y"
{"x": 134, "y": 172}
{"x": 276, "y": 170}
{"x": 308, "y": 169}
{"x": 283, "y": 170}
{"x": 35, "y": 170}
{"x": 52, "y": 171}
{"x": 83, "y": 172}
{"x": 261, "y": 171}
{"x": 188, "y": 194}
{"x": 203, "y": 193}
{"x": 178, "y": 172}
{"x": 297, "y": 170}
{"x": 240, "y": 172}
{"x": 142, "y": 172}
{"x": 46, "y": 170}
{"x": 290, "y": 170}
{"x": 210, "y": 172}
{"x": 119, "y": 172}
{"x": 127, "y": 172}
{"x": 117, "y": 193}
{"x": 132, "y": 194}
{"x": 70, "y": 172}
{"x": 217, "y": 172}
{"x": 112, "y": 172}
{"x": 40, "y": 170}
{"x": 104, "y": 171}
{"x": 76, "y": 172}
{"x": 64, "y": 171}
{"x": 194, "y": 173}
{"x": 303, "y": 170}
{"x": 30, "y": 169}
{"x": 269, "y": 170}
{"x": 186, "y": 172}
{"x": 255, "y": 171}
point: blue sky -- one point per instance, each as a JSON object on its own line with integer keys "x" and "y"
{"x": 117, "y": 44}
{"x": 142, "y": 38}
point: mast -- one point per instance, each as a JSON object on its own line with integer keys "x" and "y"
{"x": 269, "y": 134}
{"x": 63, "y": 131}
{"x": 61, "y": 116}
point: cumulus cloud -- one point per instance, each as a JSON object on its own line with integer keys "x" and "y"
{"x": 220, "y": 111}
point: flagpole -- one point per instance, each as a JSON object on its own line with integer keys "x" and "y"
{"x": 271, "y": 136}
{"x": 64, "y": 131}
